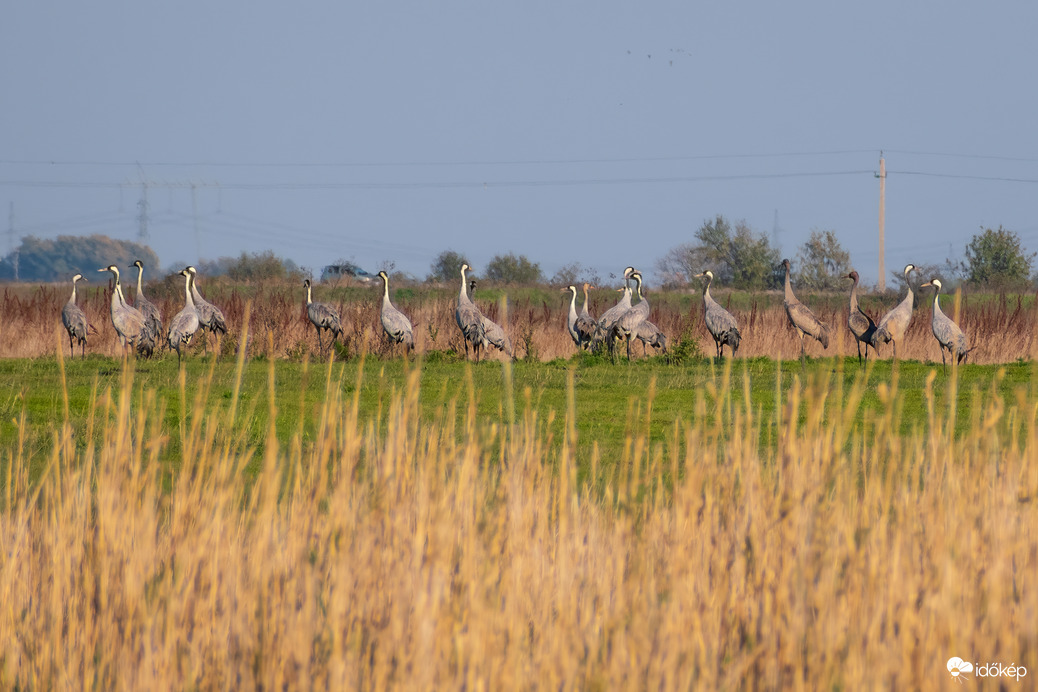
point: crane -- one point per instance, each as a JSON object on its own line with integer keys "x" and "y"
{"x": 209, "y": 316}
{"x": 147, "y": 308}
{"x": 493, "y": 334}
{"x": 607, "y": 320}
{"x": 895, "y": 323}
{"x": 860, "y": 324}
{"x": 185, "y": 323}
{"x": 129, "y": 323}
{"x": 947, "y": 333}
{"x": 75, "y": 321}
{"x": 650, "y": 335}
{"x": 719, "y": 322}
{"x": 469, "y": 318}
{"x": 322, "y": 316}
{"x": 627, "y": 324}
{"x": 571, "y": 318}
{"x": 396, "y": 325}
{"x": 801, "y": 317}
{"x": 585, "y": 324}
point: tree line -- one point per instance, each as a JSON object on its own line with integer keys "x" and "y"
{"x": 738, "y": 256}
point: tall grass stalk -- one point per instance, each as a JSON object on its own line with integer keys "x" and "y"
{"x": 420, "y": 556}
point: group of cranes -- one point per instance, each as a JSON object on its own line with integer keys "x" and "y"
{"x": 140, "y": 325}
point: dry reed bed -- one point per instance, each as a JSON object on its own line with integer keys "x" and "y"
{"x": 1001, "y": 330}
{"x": 420, "y": 559}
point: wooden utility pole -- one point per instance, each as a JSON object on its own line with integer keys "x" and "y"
{"x": 882, "y": 285}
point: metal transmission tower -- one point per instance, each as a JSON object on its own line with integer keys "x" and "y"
{"x": 882, "y": 175}
{"x": 142, "y": 214}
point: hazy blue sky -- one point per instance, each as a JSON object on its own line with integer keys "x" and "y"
{"x": 597, "y": 132}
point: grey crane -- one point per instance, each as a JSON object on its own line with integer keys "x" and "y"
{"x": 147, "y": 308}
{"x": 627, "y": 324}
{"x": 895, "y": 323}
{"x": 185, "y": 323}
{"x": 719, "y": 322}
{"x": 75, "y": 321}
{"x": 469, "y": 318}
{"x": 209, "y": 316}
{"x": 571, "y": 318}
{"x": 650, "y": 335}
{"x": 322, "y": 316}
{"x": 585, "y": 324}
{"x": 396, "y": 325}
{"x": 607, "y": 320}
{"x": 947, "y": 333}
{"x": 860, "y": 324}
{"x": 493, "y": 334}
{"x": 801, "y": 317}
{"x": 129, "y": 323}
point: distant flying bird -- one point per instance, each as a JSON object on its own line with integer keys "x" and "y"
{"x": 860, "y": 324}
{"x": 947, "y": 333}
{"x": 895, "y": 323}
{"x": 209, "y": 316}
{"x": 719, "y": 322}
{"x": 75, "y": 321}
{"x": 185, "y": 323}
{"x": 395, "y": 324}
{"x": 801, "y": 317}
{"x": 322, "y": 316}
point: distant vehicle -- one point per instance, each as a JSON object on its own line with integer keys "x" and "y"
{"x": 335, "y": 272}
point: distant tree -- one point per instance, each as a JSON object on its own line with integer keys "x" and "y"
{"x": 996, "y": 258}
{"x": 737, "y": 256}
{"x": 42, "y": 259}
{"x": 263, "y": 266}
{"x": 447, "y": 266}
{"x": 822, "y": 262}
{"x": 509, "y": 269}
{"x": 575, "y": 274}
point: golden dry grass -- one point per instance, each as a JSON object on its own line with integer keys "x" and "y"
{"x": 1002, "y": 329}
{"x": 428, "y": 557}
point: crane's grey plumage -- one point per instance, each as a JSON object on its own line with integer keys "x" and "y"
{"x": 895, "y": 323}
{"x": 322, "y": 316}
{"x": 129, "y": 323}
{"x": 650, "y": 335}
{"x": 571, "y": 318}
{"x": 860, "y": 324}
{"x": 147, "y": 308}
{"x": 396, "y": 325}
{"x": 209, "y": 316}
{"x": 947, "y": 333}
{"x": 585, "y": 325}
{"x": 469, "y": 318}
{"x": 719, "y": 322}
{"x": 607, "y": 320}
{"x": 75, "y": 321}
{"x": 627, "y": 324}
{"x": 801, "y": 317}
{"x": 185, "y": 323}
{"x": 493, "y": 334}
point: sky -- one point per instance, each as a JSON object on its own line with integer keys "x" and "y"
{"x": 603, "y": 133}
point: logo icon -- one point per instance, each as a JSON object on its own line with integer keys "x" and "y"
{"x": 958, "y": 668}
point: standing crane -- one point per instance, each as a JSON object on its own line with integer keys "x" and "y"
{"x": 719, "y": 322}
{"x": 571, "y": 318}
{"x": 322, "y": 316}
{"x": 75, "y": 322}
{"x": 801, "y": 317}
{"x": 209, "y": 316}
{"x": 469, "y": 318}
{"x": 607, "y": 320}
{"x": 947, "y": 333}
{"x": 627, "y": 325}
{"x": 185, "y": 323}
{"x": 147, "y": 308}
{"x": 129, "y": 323}
{"x": 585, "y": 324}
{"x": 396, "y": 325}
{"x": 650, "y": 335}
{"x": 895, "y": 323}
{"x": 493, "y": 334}
{"x": 860, "y": 324}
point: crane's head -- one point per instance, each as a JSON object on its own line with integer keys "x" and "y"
{"x": 464, "y": 268}
{"x": 111, "y": 268}
{"x": 569, "y": 289}
{"x": 935, "y": 282}
{"x": 587, "y": 286}
{"x": 628, "y": 272}
{"x": 908, "y": 268}
{"x": 138, "y": 264}
{"x": 191, "y": 270}
{"x": 306, "y": 282}
{"x": 78, "y": 277}
{"x": 785, "y": 264}
{"x": 853, "y": 276}
{"x": 384, "y": 276}
{"x": 706, "y": 274}
{"x": 184, "y": 272}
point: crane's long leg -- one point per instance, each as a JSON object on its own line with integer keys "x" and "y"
{"x": 859, "y": 350}
{"x": 941, "y": 346}
{"x": 802, "y": 347}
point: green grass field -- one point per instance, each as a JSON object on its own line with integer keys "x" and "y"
{"x": 237, "y": 400}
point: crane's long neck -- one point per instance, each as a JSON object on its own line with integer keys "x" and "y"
{"x": 73, "y": 298}
{"x": 706, "y": 289}
{"x": 385, "y": 291}
{"x": 788, "y": 288}
{"x": 584, "y": 309}
{"x": 854, "y": 296}
{"x": 937, "y": 301}
{"x": 309, "y": 297}
{"x": 188, "y": 299}
{"x": 140, "y": 275}
{"x": 573, "y": 305}
{"x": 464, "y": 294}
